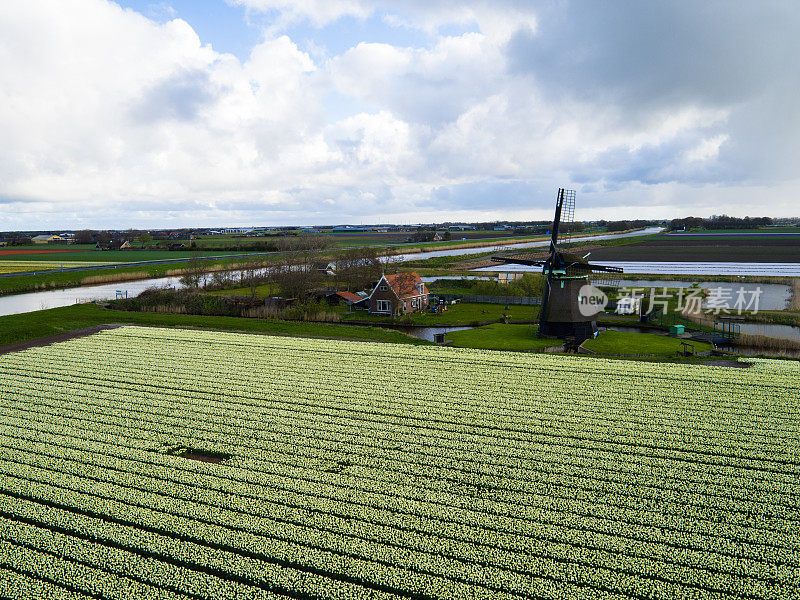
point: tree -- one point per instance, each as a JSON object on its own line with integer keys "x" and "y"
{"x": 195, "y": 272}
{"x": 403, "y": 282}
{"x": 85, "y": 236}
{"x": 357, "y": 268}
{"x": 144, "y": 239}
{"x": 295, "y": 277}
{"x": 253, "y": 274}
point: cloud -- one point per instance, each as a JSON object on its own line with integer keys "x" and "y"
{"x": 654, "y": 59}
{"x": 112, "y": 116}
{"x": 497, "y": 19}
{"x": 178, "y": 96}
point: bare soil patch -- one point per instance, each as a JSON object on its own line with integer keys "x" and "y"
{"x": 18, "y": 252}
{"x": 53, "y": 339}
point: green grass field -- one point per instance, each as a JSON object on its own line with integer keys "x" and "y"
{"x": 43, "y": 323}
{"x": 25, "y": 266}
{"x": 500, "y": 336}
{"x": 645, "y": 344}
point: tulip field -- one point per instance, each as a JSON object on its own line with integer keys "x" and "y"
{"x": 165, "y": 463}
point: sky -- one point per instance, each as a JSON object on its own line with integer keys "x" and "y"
{"x": 213, "y": 113}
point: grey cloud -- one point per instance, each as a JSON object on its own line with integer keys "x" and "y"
{"x": 493, "y": 195}
{"x": 642, "y": 58}
{"x": 660, "y": 52}
{"x": 179, "y": 97}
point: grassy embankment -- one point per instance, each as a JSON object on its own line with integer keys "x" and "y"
{"x": 29, "y": 326}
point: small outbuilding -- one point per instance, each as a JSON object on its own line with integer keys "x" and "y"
{"x": 348, "y": 299}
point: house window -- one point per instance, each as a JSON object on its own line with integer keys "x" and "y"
{"x": 383, "y": 288}
{"x": 404, "y": 304}
{"x": 420, "y": 287}
{"x": 413, "y": 304}
{"x": 384, "y": 306}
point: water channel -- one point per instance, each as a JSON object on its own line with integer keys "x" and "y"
{"x": 537, "y": 244}
{"x": 684, "y": 268}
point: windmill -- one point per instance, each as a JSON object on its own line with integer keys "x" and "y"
{"x": 565, "y": 274}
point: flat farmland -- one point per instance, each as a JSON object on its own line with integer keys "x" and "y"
{"x": 23, "y": 266}
{"x": 189, "y": 464}
{"x": 107, "y": 256}
{"x": 707, "y": 248}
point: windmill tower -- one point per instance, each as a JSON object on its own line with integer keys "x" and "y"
{"x": 565, "y": 274}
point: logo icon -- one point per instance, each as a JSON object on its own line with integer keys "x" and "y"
{"x": 591, "y": 300}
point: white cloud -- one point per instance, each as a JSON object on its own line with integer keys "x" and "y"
{"x": 497, "y": 19}
{"x": 111, "y": 119}
{"x": 116, "y": 108}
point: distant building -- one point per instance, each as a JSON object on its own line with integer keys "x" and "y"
{"x": 328, "y": 268}
{"x": 509, "y": 277}
{"x": 399, "y": 294}
{"x": 49, "y": 239}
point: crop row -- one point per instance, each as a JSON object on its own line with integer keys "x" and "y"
{"x": 362, "y": 470}
{"x": 682, "y": 437}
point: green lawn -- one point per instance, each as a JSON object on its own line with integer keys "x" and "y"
{"x": 457, "y": 314}
{"x": 19, "y": 328}
{"x": 632, "y": 343}
{"x": 499, "y": 336}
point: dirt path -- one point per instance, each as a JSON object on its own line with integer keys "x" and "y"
{"x": 52, "y": 339}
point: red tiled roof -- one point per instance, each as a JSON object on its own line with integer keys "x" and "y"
{"x": 405, "y": 284}
{"x": 350, "y": 296}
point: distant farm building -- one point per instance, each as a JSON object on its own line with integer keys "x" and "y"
{"x": 49, "y": 239}
{"x": 328, "y": 268}
{"x": 399, "y": 294}
{"x": 509, "y": 277}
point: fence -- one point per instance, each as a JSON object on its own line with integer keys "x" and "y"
{"x": 720, "y": 329}
{"x": 472, "y": 299}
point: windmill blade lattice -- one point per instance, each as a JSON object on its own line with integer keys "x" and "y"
{"x": 568, "y": 216}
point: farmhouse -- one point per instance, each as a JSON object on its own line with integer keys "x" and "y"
{"x": 398, "y": 294}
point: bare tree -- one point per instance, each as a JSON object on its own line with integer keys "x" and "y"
{"x": 299, "y": 243}
{"x": 295, "y": 278}
{"x": 253, "y": 274}
{"x": 357, "y": 268}
{"x": 194, "y": 273}
{"x": 84, "y": 236}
